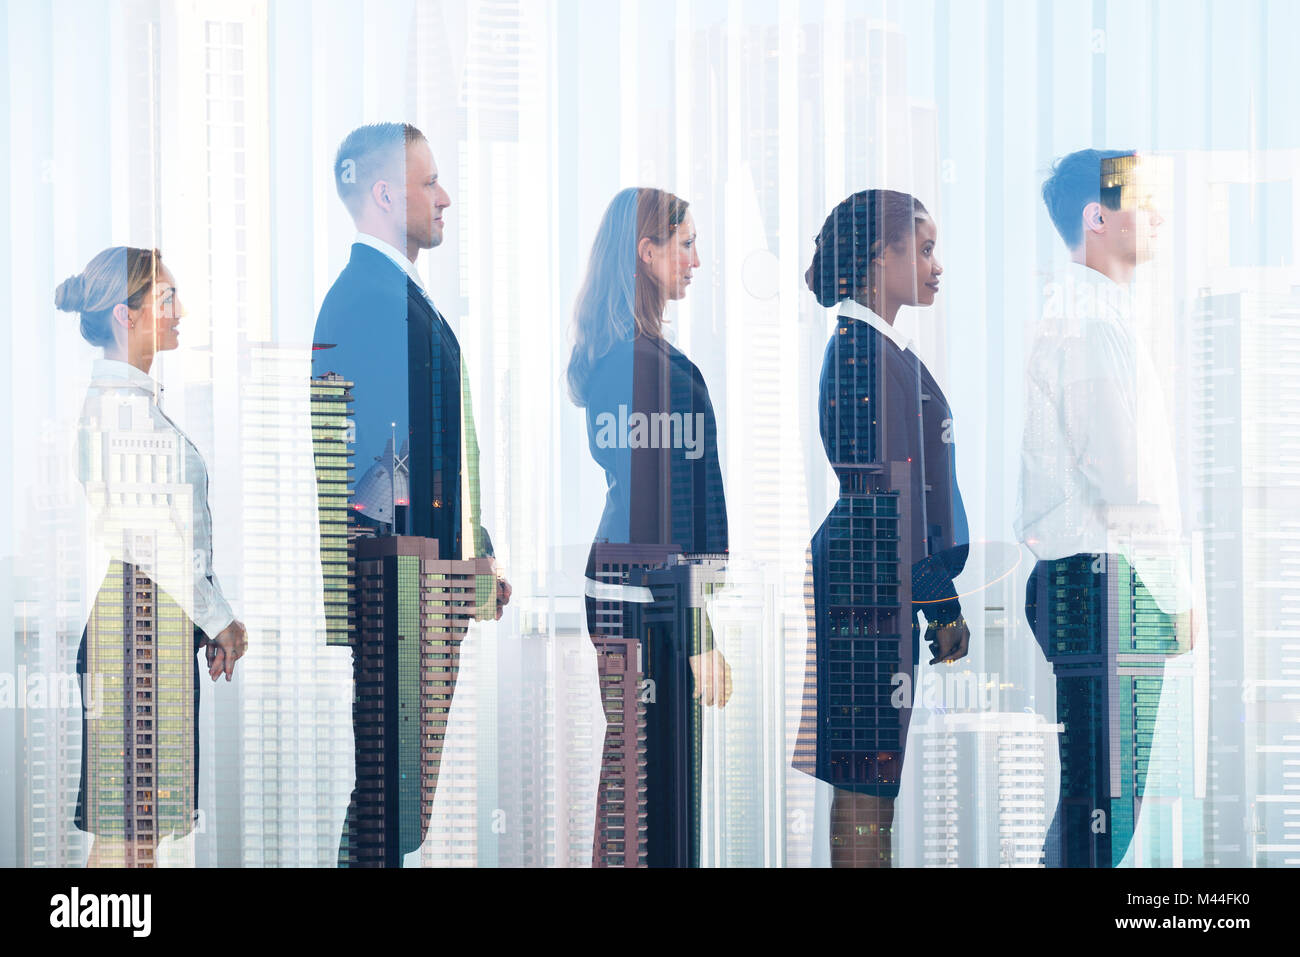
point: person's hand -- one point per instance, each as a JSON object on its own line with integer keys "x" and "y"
{"x": 1185, "y": 627}
{"x": 491, "y": 608}
{"x": 948, "y": 642}
{"x": 712, "y": 678}
{"x": 503, "y": 595}
{"x": 227, "y": 648}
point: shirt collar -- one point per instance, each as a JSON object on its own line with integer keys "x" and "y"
{"x": 856, "y": 310}
{"x": 1110, "y": 299}
{"x": 408, "y": 267}
{"x": 117, "y": 369}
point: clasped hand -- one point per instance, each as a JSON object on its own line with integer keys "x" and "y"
{"x": 947, "y": 642}
{"x": 712, "y": 678}
{"x": 492, "y": 609}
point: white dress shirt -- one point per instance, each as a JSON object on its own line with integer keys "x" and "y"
{"x": 393, "y": 253}
{"x": 856, "y": 310}
{"x": 147, "y": 488}
{"x": 1097, "y": 463}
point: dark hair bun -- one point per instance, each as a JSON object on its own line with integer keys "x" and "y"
{"x": 828, "y": 282}
{"x": 71, "y": 294}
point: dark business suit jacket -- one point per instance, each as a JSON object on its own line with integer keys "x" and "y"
{"x": 405, "y": 364}
{"x": 656, "y": 495}
{"x": 889, "y": 549}
{"x": 378, "y": 330}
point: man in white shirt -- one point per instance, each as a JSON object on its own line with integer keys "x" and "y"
{"x": 1099, "y": 507}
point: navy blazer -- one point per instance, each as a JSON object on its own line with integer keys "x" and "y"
{"x": 651, "y": 427}
{"x": 664, "y": 482}
{"x": 380, "y": 331}
{"x": 879, "y": 405}
{"x": 898, "y": 528}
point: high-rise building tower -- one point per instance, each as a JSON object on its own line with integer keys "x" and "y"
{"x": 983, "y": 782}
{"x": 681, "y": 588}
{"x": 139, "y": 749}
{"x": 620, "y": 801}
{"x": 523, "y": 822}
{"x": 412, "y": 610}
{"x": 331, "y": 408}
{"x": 49, "y": 613}
{"x": 1245, "y": 345}
{"x": 1238, "y": 402}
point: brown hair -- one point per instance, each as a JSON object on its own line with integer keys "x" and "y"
{"x": 658, "y": 214}
{"x": 619, "y": 300}
{"x": 118, "y": 275}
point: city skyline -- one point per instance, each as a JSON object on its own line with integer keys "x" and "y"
{"x": 212, "y": 139}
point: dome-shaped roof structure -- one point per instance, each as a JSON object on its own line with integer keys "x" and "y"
{"x": 386, "y": 485}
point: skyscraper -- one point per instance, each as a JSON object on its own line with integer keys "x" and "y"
{"x": 1236, "y": 347}
{"x": 682, "y": 588}
{"x": 1245, "y": 455}
{"x": 273, "y": 809}
{"x": 620, "y": 801}
{"x": 49, "y": 615}
{"x": 331, "y": 406}
{"x": 983, "y": 783}
{"x": 412, "y": 610}
{"x": 139, "y": 749}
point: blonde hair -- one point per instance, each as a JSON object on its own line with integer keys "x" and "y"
{"x": 118, "y": 275}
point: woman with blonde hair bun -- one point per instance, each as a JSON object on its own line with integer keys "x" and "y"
{"x": 159, "y": 601}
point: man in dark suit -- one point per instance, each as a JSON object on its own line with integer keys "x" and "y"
{"x": 416, "y": 472}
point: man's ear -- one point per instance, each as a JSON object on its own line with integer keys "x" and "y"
{"x": 1093, "y": 219}
{"x": 122, "y": 316}
{"x": 382, "y": 194}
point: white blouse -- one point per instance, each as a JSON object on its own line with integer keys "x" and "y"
{"x": 147, "y": 489}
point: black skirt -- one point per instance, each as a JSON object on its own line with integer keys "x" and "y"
{"x": 863, "y": 709}
{"x": 139, "y": 713}
{"x": 672, "y": 729}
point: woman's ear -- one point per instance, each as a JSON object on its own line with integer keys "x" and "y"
{"x": 644, "y": 250}
{"x": 122, "y": 316}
